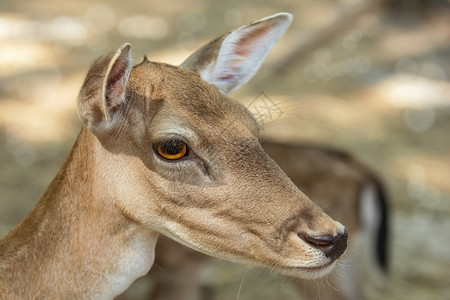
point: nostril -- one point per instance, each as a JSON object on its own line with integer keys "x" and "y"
{"x": 332, "y": 246}
{"x": 321, "y": 241}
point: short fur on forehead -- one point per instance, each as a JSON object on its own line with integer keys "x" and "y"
{"x": 197, "y": 98}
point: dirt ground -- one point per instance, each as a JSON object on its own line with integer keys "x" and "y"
{"x": 378, "y": 88}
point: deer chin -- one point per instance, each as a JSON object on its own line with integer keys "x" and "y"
{"x": 309, "y": 272}
{"x": 300, "y": 269}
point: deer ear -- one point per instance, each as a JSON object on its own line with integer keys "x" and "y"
{"x": 102, "y": 96}
{"x": 231, "y": 60}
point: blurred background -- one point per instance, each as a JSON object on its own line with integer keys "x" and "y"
{"x": 367, "y": 76}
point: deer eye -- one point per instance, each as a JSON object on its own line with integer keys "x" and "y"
{"x": 172, "y": 149}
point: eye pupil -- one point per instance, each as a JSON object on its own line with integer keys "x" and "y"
{"x": 172, "y": 149}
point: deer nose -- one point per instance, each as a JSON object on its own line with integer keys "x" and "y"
{"x": 333, "y": 246}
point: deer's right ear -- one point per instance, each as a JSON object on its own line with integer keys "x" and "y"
{"x": 102, "y": 96}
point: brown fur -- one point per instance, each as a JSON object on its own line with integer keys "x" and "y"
{"x": 94, "y": 231}
{"x": 333, "y": 179}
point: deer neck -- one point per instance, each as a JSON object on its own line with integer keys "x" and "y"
{"x": 76, "y": 243}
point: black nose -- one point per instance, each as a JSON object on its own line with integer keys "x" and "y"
{"x": 333, "y": 246}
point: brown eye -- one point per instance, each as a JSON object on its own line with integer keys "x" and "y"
{"x": 172, "y": 149}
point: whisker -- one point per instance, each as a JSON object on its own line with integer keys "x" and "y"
{"x": 242, "y": 283}
{"x": 332, "y": 282}
{"x": 159, "y": 267}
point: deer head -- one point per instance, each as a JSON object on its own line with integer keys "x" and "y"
{"x": 182, "y": 158}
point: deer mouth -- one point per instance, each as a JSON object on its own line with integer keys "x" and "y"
{"x": 309, "y": 272}
{"x": 312, "y": 257}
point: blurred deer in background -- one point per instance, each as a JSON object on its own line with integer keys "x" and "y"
{"x": 163, "y": 150}
{"x": 346, "y": 189}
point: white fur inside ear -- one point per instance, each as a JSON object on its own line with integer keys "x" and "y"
{"x": 116, "y": 79}
{"x": 244, "y": 50}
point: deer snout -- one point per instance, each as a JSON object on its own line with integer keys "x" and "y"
{"x": 333, "y": 246}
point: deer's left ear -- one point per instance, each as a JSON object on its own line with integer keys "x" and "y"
{"x": 231, "y": 60}
{"x": 102, "y": 96}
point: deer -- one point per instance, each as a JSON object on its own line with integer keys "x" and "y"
{"x": 347, "y": 189}
{"x": 164, "y": 150}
